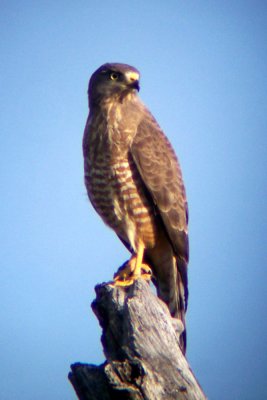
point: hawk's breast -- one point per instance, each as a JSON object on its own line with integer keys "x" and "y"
{"x": 119, "y": 196}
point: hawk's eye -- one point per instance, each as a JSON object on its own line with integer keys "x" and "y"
{"x": 114, "y": 76}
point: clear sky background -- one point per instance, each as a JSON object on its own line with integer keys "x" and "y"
{"x": 204, "y": 77}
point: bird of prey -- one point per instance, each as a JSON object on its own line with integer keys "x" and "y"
{"x": 134, "y": 182}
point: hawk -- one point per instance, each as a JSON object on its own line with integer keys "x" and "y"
{"x": 134, "y": 182}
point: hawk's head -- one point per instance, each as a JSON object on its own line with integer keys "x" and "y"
{"x": 112, "y": 80}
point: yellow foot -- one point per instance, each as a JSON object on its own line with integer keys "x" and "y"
{"x": 127, "y": 273}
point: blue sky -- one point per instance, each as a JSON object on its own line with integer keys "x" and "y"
{"x": 203, "y": 66}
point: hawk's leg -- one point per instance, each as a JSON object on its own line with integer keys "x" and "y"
{"x": 134, "y": 269}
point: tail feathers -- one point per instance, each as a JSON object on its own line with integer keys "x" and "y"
{"x": 182, "y": 304}
{"x": 178, "y": 306}
{"x": 172, "y": 289}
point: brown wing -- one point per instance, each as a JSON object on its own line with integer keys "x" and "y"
{"x": 161, "y": 174}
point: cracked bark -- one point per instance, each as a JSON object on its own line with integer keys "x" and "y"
{"x": 140, "y": 342}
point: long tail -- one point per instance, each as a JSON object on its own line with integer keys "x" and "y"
{"x": 178, "y": 303}
{"x": 171, "y": 283}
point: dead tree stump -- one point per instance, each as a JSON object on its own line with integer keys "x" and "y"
{"x": 140, "y": 342}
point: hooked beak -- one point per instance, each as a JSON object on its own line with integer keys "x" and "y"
{"x": 133, "y": 80}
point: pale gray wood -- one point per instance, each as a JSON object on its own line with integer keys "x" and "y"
{"x": 140, "y": 342}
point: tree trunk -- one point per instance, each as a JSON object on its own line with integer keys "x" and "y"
{"x": 140, "y": 342}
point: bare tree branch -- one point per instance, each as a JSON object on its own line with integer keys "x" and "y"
{"x": 140, "y": 342}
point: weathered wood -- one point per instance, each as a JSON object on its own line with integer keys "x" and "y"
{"x": 140, "y": 342}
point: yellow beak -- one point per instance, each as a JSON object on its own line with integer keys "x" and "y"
{"x": 132, "y": 78}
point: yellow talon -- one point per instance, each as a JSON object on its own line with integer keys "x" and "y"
{"x": 132, "y": 270}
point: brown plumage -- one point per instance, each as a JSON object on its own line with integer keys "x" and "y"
{"x": 134, "y": 182}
